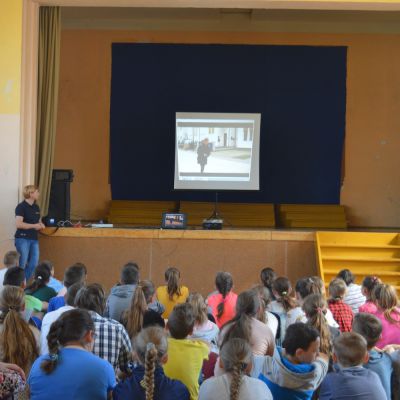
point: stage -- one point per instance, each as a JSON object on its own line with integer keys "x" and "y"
{"x": 198, "y": 253}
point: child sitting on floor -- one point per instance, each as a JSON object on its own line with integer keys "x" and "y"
{"x": 367, "y": 287}
{"x": 340, "y": 310}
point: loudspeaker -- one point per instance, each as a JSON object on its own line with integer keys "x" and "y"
{"x": 60, "y": 197}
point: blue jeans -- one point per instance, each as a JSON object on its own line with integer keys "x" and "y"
{"x": 28, "y": 250}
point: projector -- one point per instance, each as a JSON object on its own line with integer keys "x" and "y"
{"x": 213, "y": 223}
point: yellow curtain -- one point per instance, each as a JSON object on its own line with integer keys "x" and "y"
{"x": 48, "y": 76}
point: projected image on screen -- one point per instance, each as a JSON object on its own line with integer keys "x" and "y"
{"x": 217, "y": 151}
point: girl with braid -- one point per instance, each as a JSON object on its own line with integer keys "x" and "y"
{"x": 173, "y": 292}
{"x": 70, "y": 370}
{"x": 223, "y": 302}
{"x": 148, "y": 381}
{"x": 234, "y": 384}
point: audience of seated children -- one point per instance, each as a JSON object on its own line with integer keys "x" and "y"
{"x": 53, "y": 283}
{"x": 342, "y": 312}
{"x": 15, "y": 276}
{"x": 354, "y": 297}
{"x": 367, "y": 287}
{"x": 350, "y": 380}
{"x": 388, "y": 312}
{"x": 74, "y": 274}
{"x": 315, "y": 307}
{"x": 295, "y": 371}
{"x": 234, "y": 384}
{"x": 267, "y": 276}
{"x": 185, "y": 356}
{"x": 19, "y": 341}
{"x": 70, "y": 370}
{"x": 120, "y": 297}
{"x": 203, "y": 329}
{"x": 173, "y": 292}
{"x": 223, "y": 302}
{"x": 38, "y": 288}
{"x": 370, "y": 328}
{"x": 284, "y": 303}
{"x": 112, "y": 341}
{"x": 10, "y": 260}
{"x": 245, "y": 325}
{"x": 265, "y": 316}
{"x": 52, "y": 316}
{"x": 139, "y": 315}
{"x": 148, "y": 380}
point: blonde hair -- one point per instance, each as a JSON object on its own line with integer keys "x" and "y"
{"x": 386, "y": 299}
{"x": 337, "y": 289}
{"x": 236, "y": 355}
{"x": 28, "y": 190}
{"x": 151, "y": 345}
{"x": 17, "y": 341}
{"x": 199, "y": 307}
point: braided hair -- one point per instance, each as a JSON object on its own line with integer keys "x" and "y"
{"x": 224, "y": 284}
{"x": 236, "y": 356}
{"x": 71, "y": 326}
{"x": 151, "y": 346}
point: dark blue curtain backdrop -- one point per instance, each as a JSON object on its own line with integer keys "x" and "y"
{"x": 300, "y": 92}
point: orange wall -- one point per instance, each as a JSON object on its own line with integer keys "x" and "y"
{"x": 371, "y": 189}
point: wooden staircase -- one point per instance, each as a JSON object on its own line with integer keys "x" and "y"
{"x": 364, "y": 253}
{"x": 324, "y": 216}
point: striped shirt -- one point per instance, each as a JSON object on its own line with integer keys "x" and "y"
{"x": 112, "y": 342}
{"x": 354, "y": 298}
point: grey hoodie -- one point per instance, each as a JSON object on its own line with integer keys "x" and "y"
{"x": 118, "y": 301}
{"x": 287, "y": 380}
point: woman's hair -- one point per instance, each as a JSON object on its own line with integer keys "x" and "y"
{"x": 71, "y": 326}
{"x": 247, "y": 306}
{"x": 41, "y": 278}
{"x": 267, "y": 276}
{"x": 236, "y": 355}
{"x": 264, "y": 295}
{"x": 224, "y": 284}
{"x": 28, "y": 190}
{"x": 307, "y": 286}
{"x": 315, "y": 308}
{"x": 337, "y": 289}
{"x": 385, "y": 298}
{"x": 319, "y": 285}
{"x": 172, "y": 276}
{"x": 133, "y": 317}
{"x": 151, "y": 345}
{"x": 17, "y": 341}
{"x": 283, "y": 289}
{"x": 369, "y": 283}
{"x": 347, "y": 276}
{"x": 199, "y": 307}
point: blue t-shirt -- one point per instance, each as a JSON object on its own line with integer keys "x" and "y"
{"x": 55, "y": 303}
{"x": 381, "y": 363}
{"x": 55, "y": 284}
{"x": 79, "y": 375}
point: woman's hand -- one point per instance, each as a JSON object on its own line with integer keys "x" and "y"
{"x": 15, "y": 368}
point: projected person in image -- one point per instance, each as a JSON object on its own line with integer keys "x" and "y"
{"x": 203, "y": 152}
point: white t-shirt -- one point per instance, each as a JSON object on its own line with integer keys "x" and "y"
{"x": 354, "y": 298}
{"x": 272, "y": 322}
{"x": 219, "y": 388}
{"x": 2, "y": 274}
{"x": 48, "y": 319}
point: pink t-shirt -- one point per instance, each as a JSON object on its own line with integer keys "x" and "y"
{"x": 368, "y": 307}
{"x": 390, "y": 331}
{"x": 229, "y": 307}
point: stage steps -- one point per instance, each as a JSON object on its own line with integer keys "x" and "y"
{"x": 312, "y": 216}
{"x": 364, "y": 253}
{"x": 235, "y": 215}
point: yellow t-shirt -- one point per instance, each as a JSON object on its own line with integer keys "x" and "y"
{"x": 185, "y": 361}
{"x": 163, "y": 298}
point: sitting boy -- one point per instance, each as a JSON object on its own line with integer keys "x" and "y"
{"x": 185, "y": 356}
{"x": 297, "y": 369}
{"x": 370, "y": 328}
{"x": 351, "y": 380}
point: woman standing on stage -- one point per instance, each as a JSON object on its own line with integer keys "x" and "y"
{"x": 28, "y": 223}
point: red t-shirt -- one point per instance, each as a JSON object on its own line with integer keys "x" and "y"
{"x": 229, "y": 307}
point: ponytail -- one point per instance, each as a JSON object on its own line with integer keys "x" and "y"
{"x": 17, "y": 340}
{"x": 134, "y": 316}
{"x": 149, "y": 367}
{"x": 385, "y": 298}
{"x": 172, "y": 276}
{"x": 224, "y": 284}
{"x": 41, "y": 278}
{"x": 283, "y": 288}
